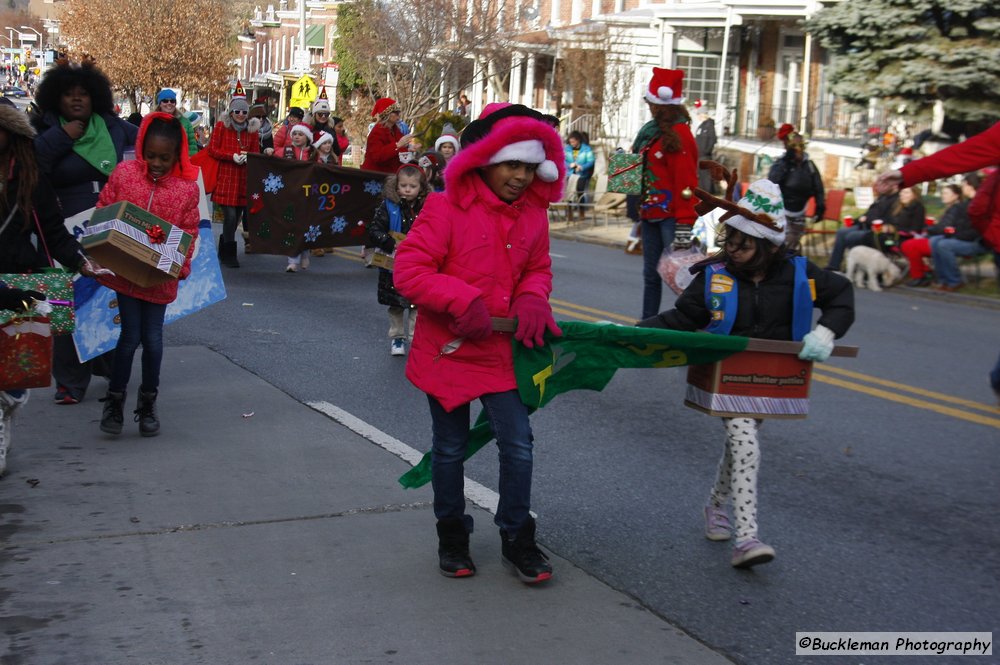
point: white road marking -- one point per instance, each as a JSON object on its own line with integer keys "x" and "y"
{"x": 478, "y": 494}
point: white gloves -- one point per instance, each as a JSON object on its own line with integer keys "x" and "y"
{"x": 239, "y": 158}
{"x": 817, "y": 345}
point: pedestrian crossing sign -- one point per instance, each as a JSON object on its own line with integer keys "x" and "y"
{"x": 303, "y": 92}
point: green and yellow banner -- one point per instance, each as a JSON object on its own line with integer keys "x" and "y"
{"x": 586, "y": 356}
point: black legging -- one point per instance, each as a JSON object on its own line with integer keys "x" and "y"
{"x": 231, "y": 217}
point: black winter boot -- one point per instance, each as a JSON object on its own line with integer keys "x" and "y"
{"x": 145, "y": 414}
{"x": 227, "y": 254}
{"x": 453, "y": 548}
{"x": 113, "y": 418}
{"x": 521, "y": 555}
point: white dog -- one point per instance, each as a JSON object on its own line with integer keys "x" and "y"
{"x": 868, "y": 262}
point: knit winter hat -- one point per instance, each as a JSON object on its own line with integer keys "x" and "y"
{"x": 322, "y": 104}
{"x": 239, "y": 100}
{"x": 324, "y": 137}
{"x": 166, "y": 93}
{"x": 665, "y": 86}
{"x": 296, "y": 112}
{"x": 521, "y": 146}
{"x": 760, "y": 213}
{"x": 785, "y": 130}
{"x": 521, "y": 134}
{"x": 448, "y": 135}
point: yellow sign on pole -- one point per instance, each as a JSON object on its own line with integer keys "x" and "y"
{"x": 303, "y": 92}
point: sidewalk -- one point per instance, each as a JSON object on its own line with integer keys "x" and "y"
{"x": 281, "y": 538}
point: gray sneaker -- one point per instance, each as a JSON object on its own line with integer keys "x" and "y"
{"x": 751, "y": 553}
{"x": 717, "y": 525}
{"x": 8, "y": 407}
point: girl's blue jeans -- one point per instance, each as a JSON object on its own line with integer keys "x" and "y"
{"x": 142, "y": 323}
{"x": 508, "y": 417}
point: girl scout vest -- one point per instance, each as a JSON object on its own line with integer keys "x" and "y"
{"x": 722, "y": 299}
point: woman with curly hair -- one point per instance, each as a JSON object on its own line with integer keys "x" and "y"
{"x": 670, "y": 175}
{"x": 80, "y": 141}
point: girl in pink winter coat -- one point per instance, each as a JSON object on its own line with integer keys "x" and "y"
{"x": 480, "y": 249}
{"x": 161, "y": 180}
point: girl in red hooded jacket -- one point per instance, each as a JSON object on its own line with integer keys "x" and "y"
{"x": 161, "y": 180}
{"x": 480, "y": 249}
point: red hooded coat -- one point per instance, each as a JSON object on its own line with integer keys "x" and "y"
{"x": 466, "y": 243}
{"x": 173, "y": 198}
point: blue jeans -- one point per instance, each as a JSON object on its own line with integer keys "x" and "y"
{"x": 657, "y": 235}
{"x": 945, "y": 253}
{"x": 142, "y": 322}
{"x": 846, "y": 237}
{"x": 508, "y": 417}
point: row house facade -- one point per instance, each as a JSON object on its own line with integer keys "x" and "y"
{"x": 751, "y": 63}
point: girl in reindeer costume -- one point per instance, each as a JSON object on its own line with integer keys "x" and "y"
{"x": 753, "y": 287}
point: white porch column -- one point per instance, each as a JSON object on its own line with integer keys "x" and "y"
{"x": 529, "y": 80}
{"x": 595, "y": 9}
{"x": 667, "y": 34}
{"x": 514, "y": 89}
{"x": 491, "y": 87}
{"x": 478, "y": 76}
{"x": 720, "y": 101}
{"x": 806, "y": 75}
{"x": 554, "y": 16}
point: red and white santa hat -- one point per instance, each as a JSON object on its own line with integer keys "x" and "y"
{"x": 666, "y": 86}
{"x": 510, "y": 132}
{"x": 324, "y": 137}
{"x": 301, "y": 128}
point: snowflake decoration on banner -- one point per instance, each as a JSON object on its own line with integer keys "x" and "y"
{"x": 339, "y": 224}
{"x": 273, "y": 183}
{"x": 255, "y": 196}
{"x": 313, "y": 233}
{"x": 373, "y": 187}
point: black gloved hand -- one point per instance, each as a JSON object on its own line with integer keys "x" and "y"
{"x": 820, "y": 211}
{"x": 682, "y": 237}
{"x": 18, "y": 300}
{"x": 389, "y": 246}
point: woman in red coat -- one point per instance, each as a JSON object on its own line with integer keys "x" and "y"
{"x": 232, "y": 139}
{"x": 385, "y": 140}
{"x": 670, "y": 175}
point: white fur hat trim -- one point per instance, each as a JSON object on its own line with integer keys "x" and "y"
{"x": 324, "y": 137}
{"x": 446, "y": 138}
{"x": 531, "y": 151}
{"x": 301, "y": 129}
{"x": 762, "y": 197}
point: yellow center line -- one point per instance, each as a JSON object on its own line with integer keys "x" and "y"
{"x": 909, "y": 401}
{"x": 902, "y": 386}
{"x": 570, "y": 309}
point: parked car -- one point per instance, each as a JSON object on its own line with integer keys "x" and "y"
{"x": 14, "y": 91}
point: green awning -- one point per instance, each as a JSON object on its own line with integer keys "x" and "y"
{"x": 316, "y": 36}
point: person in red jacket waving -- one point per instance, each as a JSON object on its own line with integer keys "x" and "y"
{"x": 477, "y": 250}
{"x": 385, "y": 140}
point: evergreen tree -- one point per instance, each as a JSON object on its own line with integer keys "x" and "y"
{"x": 916, "y": 52}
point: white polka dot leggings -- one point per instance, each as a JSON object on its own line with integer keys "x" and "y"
{"x": 737, "y": 477}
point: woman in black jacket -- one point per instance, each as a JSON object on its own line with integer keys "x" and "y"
{"x": 80, "y": 141}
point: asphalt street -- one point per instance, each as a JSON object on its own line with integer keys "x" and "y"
{"x": 878, "y": 504}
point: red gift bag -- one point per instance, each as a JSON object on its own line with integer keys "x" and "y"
{"x": 209, "y": 169}
{"x": 25, "y": 354}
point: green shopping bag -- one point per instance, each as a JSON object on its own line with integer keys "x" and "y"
{"x": 58, "y": 288}
{"x": 625, "y": 173}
